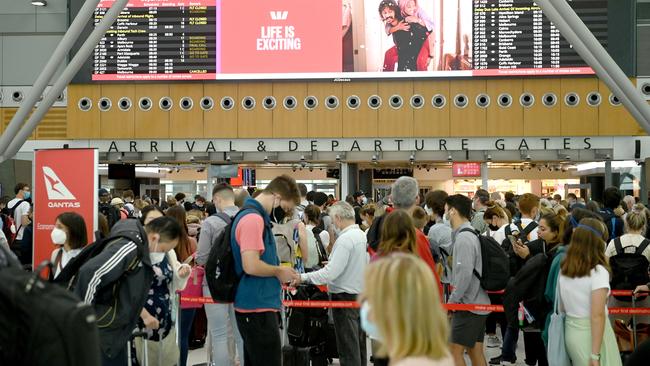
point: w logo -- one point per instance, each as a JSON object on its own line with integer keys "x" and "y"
{"x": 56, "y": 190}
{"x": 279, "y": 15}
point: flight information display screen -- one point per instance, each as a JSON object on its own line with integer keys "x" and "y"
{"x": 298, "y": 39}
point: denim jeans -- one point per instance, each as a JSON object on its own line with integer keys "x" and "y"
{"x": 350, "y": 338}
{"x": 187, "y": 317}
{"x": 510, "y": 344}
{"x": 261, "y": 334}
{"x": 225, "y": 337}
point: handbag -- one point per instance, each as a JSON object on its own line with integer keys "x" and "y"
{"x": 557, "y": 353}
{"x": 194, "y": 287}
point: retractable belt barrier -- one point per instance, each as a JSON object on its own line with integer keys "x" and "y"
{"x": 450, "y": 307}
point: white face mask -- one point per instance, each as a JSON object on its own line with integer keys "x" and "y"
{"x": 59, "y": 236}
{"x": 156, "y": 257}
{"x": 428, "y": 210}
{"x": 364, "y": 200}
{"x": 365, "y": 223}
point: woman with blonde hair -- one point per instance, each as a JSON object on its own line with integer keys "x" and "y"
{"x": 584, "y": 288}
{"x": 401, "y": 307}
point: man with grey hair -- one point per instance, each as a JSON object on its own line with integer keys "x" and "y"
{"x": 404, "y": 194}
{"x": 343, "y": 276}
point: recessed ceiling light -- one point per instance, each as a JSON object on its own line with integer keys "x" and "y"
{"x": 39, "y": 2}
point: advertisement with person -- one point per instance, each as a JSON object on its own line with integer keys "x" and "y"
{"x": 65, "y": 180}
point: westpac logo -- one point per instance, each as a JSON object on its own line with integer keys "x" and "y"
{"x": 279, "y": 15}
{"x": 57, "y": 191}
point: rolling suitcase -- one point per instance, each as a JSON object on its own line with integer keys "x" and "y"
{"x": 145, "y": 350}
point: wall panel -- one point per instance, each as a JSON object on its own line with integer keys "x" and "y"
{"x": 360, "y": 122}
{"x": 258, "y": 122}
{"x": 395, "y": 122}
{"x": 217, "y": 122}
{"x": 540, "y": 120}
{"x": 116, "y": 123}
{"x": 186, "y": 123}
{"x": 615, "y": 120}
{"x": 9, "y": 113}
{"x": 429, "y": 121}
{"x": 505, "y": 121}
{"x": 53, "y": 126}
{"x": 83, "y": 124}
{"x": 582, "y": 119}
{"x": 153, "y": 123}
{"x": 322, "y": 121}
{"x": 468, "y": 121}
{"x": 289, "y": 123}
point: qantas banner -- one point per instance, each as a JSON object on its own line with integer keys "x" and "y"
{"x": 64, "y": 180}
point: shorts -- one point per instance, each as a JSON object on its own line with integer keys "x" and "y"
{"x": 467, "y": 328}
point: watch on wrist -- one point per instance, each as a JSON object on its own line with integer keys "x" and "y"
{"x": 595, "y": 356}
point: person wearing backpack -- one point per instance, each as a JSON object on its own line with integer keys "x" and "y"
{"x": 467, "y": 327}
{"x": 315, "y": 239}
{"x": 115, "y": 275}
{"x": 258, "y": 294}
{"x": 18, "y": 210}
{"x": 479, "y": 205}
{"x": 70, "y": 235}
{"x": 300, "y": 208}
{"x": 611, "y": 201}
{"x": 105, "y": 208}
{"x": 324, "y": 221}
{"x": 224, "y": 333}
{"x": 129, "y": 199}
{"x": 629, "y": 257}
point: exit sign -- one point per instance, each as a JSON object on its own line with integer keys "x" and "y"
{"x": 466, "y": 169}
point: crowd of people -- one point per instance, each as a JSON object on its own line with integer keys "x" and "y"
{"x": 401, "y": 258}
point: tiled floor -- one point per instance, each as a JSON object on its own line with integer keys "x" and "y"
{"x": 199, "y": 356}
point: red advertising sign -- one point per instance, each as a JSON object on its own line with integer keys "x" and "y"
{"x": 466, "y": 170}
{"x": 64, "y": 180}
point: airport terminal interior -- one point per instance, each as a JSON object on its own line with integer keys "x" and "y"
{"x": 142, "y": 141}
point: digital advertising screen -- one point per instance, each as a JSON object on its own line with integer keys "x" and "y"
{"x": 325, "y": 39}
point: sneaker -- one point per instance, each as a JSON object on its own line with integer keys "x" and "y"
{"x": 493, "y": 342}
{"x": 495, "y": 361}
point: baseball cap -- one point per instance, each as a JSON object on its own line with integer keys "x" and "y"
{"x": 358, "y": 194}
{"x": 116, "y": 201}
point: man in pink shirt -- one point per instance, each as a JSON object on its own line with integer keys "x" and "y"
{"x": 258, "y": 298}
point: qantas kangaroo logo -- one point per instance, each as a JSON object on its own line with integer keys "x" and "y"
{"x": 56, "y": 190}
{"x": 279, "y": 15}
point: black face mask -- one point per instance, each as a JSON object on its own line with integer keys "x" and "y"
{"x": 493, "y": 227}
{"x": 278, "y": 214}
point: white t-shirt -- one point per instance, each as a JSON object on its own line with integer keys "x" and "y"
{"x": 21, "y": 210}
{"x": 499, "y": 235}
{"x": 324, "y": 235}
{"x": 629, "y": 242}
{"x": 576, "y": 292}
{"x": 524, "y": 223}
{"x": 65, "y": 258}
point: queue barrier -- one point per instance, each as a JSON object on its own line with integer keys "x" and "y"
{"x": 449, "y": 307}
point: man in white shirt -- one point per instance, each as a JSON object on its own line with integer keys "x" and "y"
{"x": 343, "y": 275}
{"x": 19, "y": 210}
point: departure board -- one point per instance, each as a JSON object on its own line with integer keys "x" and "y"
{"x": 158, "y": 40}
{"x": 298, "y": 39}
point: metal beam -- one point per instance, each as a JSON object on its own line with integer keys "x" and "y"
{"x": 44, "y": 78}
{"x": 588, "y": 47}
{"x": 70, "y": 71}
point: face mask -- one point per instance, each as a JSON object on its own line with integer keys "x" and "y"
{"x": 156, "y": 257}
{"x": 58, "y": 236}
{"x": 446, "y": 219}
{"x": 369, "y": 327}
{"x": 27, "y": 195}
{"x": 493, "y": 227}
{"x": 364, "y": 200}
{"x": 365, "y": 223}
{"x": 428, "y": 210}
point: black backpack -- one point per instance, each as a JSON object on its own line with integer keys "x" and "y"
{"x": 43, "y": 324}
{"x": 496, "y": 263}
{"x": 131, "y": 230}
{"x": 220, "y": 272}
{"x": 307, "y": 326}
{"x": 111, "y": 213}
{"x": 629, "y": 270}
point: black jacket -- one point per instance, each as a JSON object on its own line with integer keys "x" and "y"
{"x": 116, "y": 282}
{"x": 374, "y": 232}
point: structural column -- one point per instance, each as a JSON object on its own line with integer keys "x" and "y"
{"x": 484, "y": 176}
{"x": 608, "y": 173}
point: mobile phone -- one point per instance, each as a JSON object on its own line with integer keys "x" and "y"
{"x": 513, "y": 240}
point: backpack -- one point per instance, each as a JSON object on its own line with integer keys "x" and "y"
{"x": 110, "y": 212}
{"x": 220, "y": 271}
{"x": 496, "y": 263}
{"x": 629, "y": 269}
{"x": 131, "y": 230}
{"x": 42, "y": 323}
{"x": 9, "y": 227}
{"x": 321, "y": 223}
{"x": 320, "y": 248}
{"x": 524, "y": 233}
{"x": 610, "y": 220}
{"x": 307, "y": 326}
{"x": 286, "y": 240}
